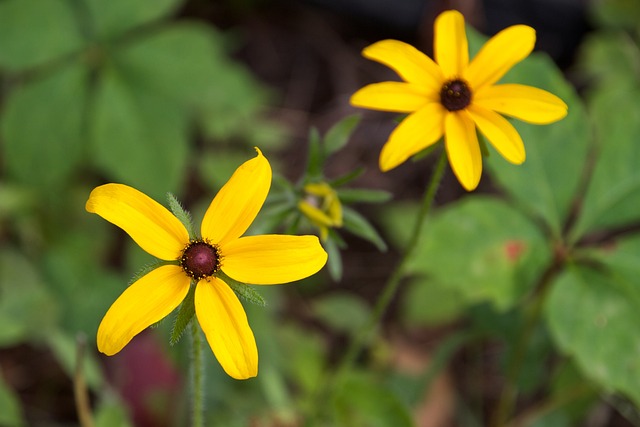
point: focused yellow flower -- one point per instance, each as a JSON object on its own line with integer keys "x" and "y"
{"x": 258, "y": 260}
{"x": 453, "y": 96}
{"x": 322, "y": 206}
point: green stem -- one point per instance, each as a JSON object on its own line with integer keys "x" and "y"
{"x": 509, "y": 393}
{"x": 391, "y": 286}
{"x": 197, "y": 376}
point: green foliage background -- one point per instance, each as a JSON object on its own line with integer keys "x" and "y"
{"x": 123, "y": 91}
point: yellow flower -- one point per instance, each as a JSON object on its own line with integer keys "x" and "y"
{"x": 452, "y": 96}
{"x": 259, "y": 260}
{"x": 322, "y": 207}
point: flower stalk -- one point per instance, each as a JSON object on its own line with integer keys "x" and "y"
{"x": 197, "y": 377}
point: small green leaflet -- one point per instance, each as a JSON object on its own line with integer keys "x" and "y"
{"x": 184, "y": 316}
{"x": 182, "y": 214}
{"x": 244, "y": 291}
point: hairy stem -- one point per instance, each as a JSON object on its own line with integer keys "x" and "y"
{"x": 197, "y": 376}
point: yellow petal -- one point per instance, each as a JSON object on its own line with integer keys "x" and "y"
{"x": 415, "y": 133}
{"x": 150, "y": 225}
{"x": 272, "y": 259}
{"x": 525, "y": 103}
{"x": 499, "y": 54}
{"x": 463, "y": 149}
{"x": 391, "y": 96}
{"x": 502, "y": 135}
{"x": 314, "y": 214}
{"x": 410, "y": 64}
{"x": 145, "y": 302}
{"x": 238, "y": 202}
{"x": 226, "y": 328}
{"x": 450, "y": 44}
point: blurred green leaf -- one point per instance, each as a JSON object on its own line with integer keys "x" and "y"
{"x": 28, "y": 311}
{"x": 42, "y": 129}
{"x": 425, "y": 303}
{"x": 609, "y": 57}
{"x": 339, "y": 134}
{"x": 616, "y": 13}
{"x": 547, "y": 182}
{"x": 114, "y": 17}
{"x": 363, "y": 195}
{"x": 613, "y": 195}
{"x": 315, "y": 157}
{"x": 483, "y": 248}
{"x": 183, "y": 61}
{"x": 10, "y": 410}
{"x": 34, "y": 32}
{"x": 111, "y": 414}
{"x": 138, "y": 138}
{"x": 342, "y": 312}
{"x": 364, "y": 402}
{"x": 334, "y": 263}
{"x": 64, "y": 348}
{"x": 215, "y": 167}
{"x": 360, "y": 226}
{"x": 594, "y": 317}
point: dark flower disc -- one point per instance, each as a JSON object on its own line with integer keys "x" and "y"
{"x": 455, "y": 95}
{"x": 200, "y": 259}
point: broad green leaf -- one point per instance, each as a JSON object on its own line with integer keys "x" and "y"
{"x": 28, "y": 311}
{"x": 594, "y": 317}
{"x": 425, "y": 303}
{"x": 114, "y": 17}
{"x": 609, "y": 57}
{"x": 36, "y": 31}
{"x": 42, "y": 127}
{"x": 138, "y": 138}
{"x": 365, "y": 402}
{"x": 613, "y": 194}
{"x": 482, "y": 248}
{"x": 360, "y": 226}
{"x": 10, "y": 411}
{"x": 342, "y": 312}
{"x": 339, "y": 134}
{"x": 547, "y": 182}
{"x": 111, "y": 414}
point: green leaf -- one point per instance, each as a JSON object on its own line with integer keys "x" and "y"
{"x": 42, "y": 129}
{"x": 547, "y": 182}
{"x": 10, "y": 410}
{"x": 342, "y": 312}
{"x": 425, "y": 303}
{"x": 184, "y": 316}
{"x": 613, "y": 195}
{"x": 35, "y": 32}
{"x": 182, "y": 214}
{"x": 594, "y": 317}
{"x": 482, "y": 248}
{"x": 146, "y": 130}
{"x": 28, "y": 311}
{"x": 609, "y": 57}
{"x": 616, "y": 13}
{"x": 334, "y": 262}
{"x": 114, "y": 17}
{"x": 364, "y": 402}
{"x": 111, "y": 414}
{"x": 363, "y": 195}
{"x": 339, "y": 134}
{"x": 245, "y": 291}
{"x": 360, "y": 226}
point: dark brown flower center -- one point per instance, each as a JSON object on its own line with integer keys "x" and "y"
{"x": 455, "y": 95}
{"x": 200, "y": 259}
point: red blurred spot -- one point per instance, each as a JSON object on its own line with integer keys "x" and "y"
{"x": 513, "y": 249}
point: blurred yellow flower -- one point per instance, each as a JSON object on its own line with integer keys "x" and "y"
{"x": 259, "y": 260}
{"x": 452, "y": 96}
{"x": 322, "y": 207}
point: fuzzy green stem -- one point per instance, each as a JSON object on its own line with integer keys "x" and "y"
{"x": 392, "y": 284}
{"x": 197, "y": 376}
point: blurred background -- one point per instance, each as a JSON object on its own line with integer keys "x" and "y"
{"x": 171, "y": 96}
